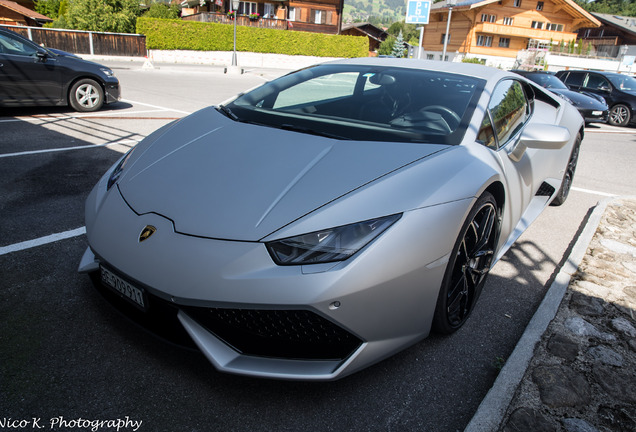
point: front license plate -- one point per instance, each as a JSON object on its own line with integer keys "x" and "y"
{"x": 597, "y": 113}
{"x": 126, "y": 289}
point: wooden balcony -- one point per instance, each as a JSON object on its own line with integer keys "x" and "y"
{"x": 528, "y": 33}
{"x": 241, "y": 20}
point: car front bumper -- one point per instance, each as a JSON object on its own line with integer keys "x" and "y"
{"x": 252, "y": 317}
{"x": 594, "y": 116}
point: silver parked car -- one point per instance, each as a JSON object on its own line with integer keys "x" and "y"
{"x": 332, "y": 217}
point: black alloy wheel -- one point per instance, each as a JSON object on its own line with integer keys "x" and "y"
{"x": 568, "y": 176}
{"x": 468, "y": 267}
{"x": 619, "y": 115}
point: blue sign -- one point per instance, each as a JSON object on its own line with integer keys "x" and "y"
{"x": 417, "y": 11}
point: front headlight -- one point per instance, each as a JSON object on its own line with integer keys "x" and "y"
{"x": 107, "y": 72}
{"x": 114, "y": 176}
{"x": 567, "y": 99}
{"x": 329, "y": 245}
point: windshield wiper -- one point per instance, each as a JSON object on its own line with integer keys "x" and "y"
{"x": 310, "y": 131}
{"x": 228, "y": 112}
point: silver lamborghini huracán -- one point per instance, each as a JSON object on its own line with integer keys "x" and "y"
{"x": 332, "y": 217}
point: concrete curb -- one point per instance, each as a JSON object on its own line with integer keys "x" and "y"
{"x": 492, "y": 409}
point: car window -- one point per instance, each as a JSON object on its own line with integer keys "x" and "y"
{"x": 13, "y": 46}
{"x": 575, "y": 79}
{"x": 623, "y": 82}
{"x": 596, "y": 82}
{"x": 508, "y": 111}
{"x": 370, "y": 103}
{"x": 486, "y": 133}
{"x": 318, "y": 90}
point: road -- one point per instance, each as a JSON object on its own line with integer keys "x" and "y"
{"x": 64, "y": 352}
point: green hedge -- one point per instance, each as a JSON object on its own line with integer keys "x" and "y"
{"x": 165, "y": 34}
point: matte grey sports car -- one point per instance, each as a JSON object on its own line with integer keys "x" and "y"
{"x": 334, "y": 216}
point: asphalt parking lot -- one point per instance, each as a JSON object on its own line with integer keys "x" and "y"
{"x": 67, "y": 359}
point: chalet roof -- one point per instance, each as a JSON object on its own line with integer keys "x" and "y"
{"x": 576, "y": 11}
{"x": 367, "y": 29}
{"x": 24, "y": 11}
{"x": 627, "y": 24}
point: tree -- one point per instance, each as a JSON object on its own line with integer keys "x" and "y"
{"x": 614, "y": 7}
{"x": 119, "y": 16}
{"x": 386, "y": 47}
{"x": 49, "y": 8}
{"x": 398, "y": 46}
{"x": 161, "y": 10}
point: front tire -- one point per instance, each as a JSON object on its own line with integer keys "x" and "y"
{"x": 568, "y": 177}
{"x": 619, "y": 115}
{"x": 468, "y": 266}
{"x": 86, "y": 95}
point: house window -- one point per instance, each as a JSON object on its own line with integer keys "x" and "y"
{"x": 508, "y": 21}
{"x": 246, "y": 8}
{"x": 319, "y": 16}
{"x": 444, "y": 37}
{"x": 488, "y": 18}
{"x": 540, "y": 6}
{"x": 430, "y": 56}
{"x": 292, "y": 14}
{"x": 504, "y": 42}
{"x": 484, "y": 17}
{"x": 555, "y": 27}
{"x": 269, "y": 11}
{"x": 517, "y": 3}
{"x": 483, "y": 40}
{"x": 537, "y": 25}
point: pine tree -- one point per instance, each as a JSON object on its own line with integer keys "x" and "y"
{"x": 398, "y": 46}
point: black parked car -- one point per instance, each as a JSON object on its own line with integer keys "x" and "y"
{"x": 592, "y": 107}
{"x": 33, "y": 75}
{"x": 619, "y": 91}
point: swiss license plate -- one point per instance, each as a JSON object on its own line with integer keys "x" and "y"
{"x": 597, "y": 113}
{"x": 126, "y": 289}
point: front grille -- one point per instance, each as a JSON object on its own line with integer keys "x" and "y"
{"x": 291, "y": 334}
{"x": 545, "y": 190}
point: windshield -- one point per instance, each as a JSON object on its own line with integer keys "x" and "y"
{"x": 546, "y": 80}
{"x": 623, "y": 82}
{"x": 369, "y": 103}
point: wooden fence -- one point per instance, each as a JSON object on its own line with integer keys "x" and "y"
{"x": 85, "y": 42}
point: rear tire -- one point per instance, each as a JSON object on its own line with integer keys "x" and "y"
{"x": 86, "y": 95}
{"x": 568, "y": 177}
{"x": 468, "y": 266}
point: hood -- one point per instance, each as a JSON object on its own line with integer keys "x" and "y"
{"x": 217, "y": 178}
{"x": 582, "y": 100}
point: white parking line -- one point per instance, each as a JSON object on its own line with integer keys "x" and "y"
{"x": 156, "y": 106}
{"x": 121, "y": 142}
{"x": 29, "y": 244}
{"x": 588, "y": 191}
{"x": 52, "y": 118}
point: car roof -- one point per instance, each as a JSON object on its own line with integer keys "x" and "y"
{"x": 469, "y": 69}
{"x": 604, "y": 73}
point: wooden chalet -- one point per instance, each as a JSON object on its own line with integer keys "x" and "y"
{"x": 375, "y": 34}
{"x": 500, "y": 28}
{"x": 12, "y": 13}
{"x": 615, "y": 31}
{"x": 318, "y": 16}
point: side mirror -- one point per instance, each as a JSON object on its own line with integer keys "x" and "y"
{"x": 41, "y": 55}
{"x": 545, "y": 136}
{"x": 540, "y": 136}
{"x": 605, "y": 89}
